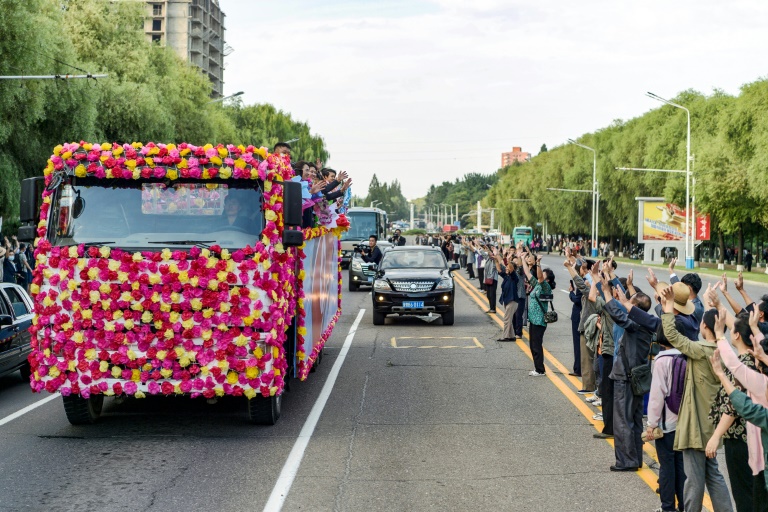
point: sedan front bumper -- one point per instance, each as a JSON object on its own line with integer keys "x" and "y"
{"x": 437, "y": 301}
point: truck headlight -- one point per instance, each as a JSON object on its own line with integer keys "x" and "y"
{"x": 381, "y": 284}
{"x": 445, "y": 284}
{"x": 356, "y": 266}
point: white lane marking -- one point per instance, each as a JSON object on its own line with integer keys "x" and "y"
{"x": 292, "y": 463}
{"x": 28, "y": 408}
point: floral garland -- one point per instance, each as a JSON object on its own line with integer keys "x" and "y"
{"x": 205, "y": 322}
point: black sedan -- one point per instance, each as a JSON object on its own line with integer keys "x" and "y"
{"x": 15, "y": 320}
{"x": 414, "y": 280}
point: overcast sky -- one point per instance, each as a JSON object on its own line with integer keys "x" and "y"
{"x": 427, "y": 90}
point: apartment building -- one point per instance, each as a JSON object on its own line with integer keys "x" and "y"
{"x": 195, "y": 30}
{"x": 516, "y": 155}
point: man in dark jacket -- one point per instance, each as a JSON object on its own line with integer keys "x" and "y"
{"x": 632, "y": 350}
{"x": 372, "y": 253}
{"x": 509, "y": 296}
{"x": 575, "y": 296}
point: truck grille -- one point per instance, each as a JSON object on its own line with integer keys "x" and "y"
{"x": 412, "y": 286}
{"x": 369, "y": 271}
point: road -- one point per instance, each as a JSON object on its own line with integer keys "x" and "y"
{"x": 421, "y": 417}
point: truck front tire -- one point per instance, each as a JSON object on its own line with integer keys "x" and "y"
{"x": 448, "y": 318}
{"x": 83, "y": 411}
{"x": 265, "y": 411}
{"x": 353, "y": 287}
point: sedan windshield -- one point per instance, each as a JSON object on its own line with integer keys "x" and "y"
{"x": 149, "y": 215}
{"x": 416, "y": 258}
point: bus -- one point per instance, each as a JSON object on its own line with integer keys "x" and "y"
{"x": 522, "y": 234}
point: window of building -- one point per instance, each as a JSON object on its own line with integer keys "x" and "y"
{"x": 157, "y": 9}
{"x": 157, "y": 38}
{"x": 157, "y": 25}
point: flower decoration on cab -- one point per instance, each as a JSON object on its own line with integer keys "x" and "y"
{"x": 204, "y": 322}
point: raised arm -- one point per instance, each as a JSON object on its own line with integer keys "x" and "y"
{"x": 731, "y": 302}
{"x": 739, "y": 283}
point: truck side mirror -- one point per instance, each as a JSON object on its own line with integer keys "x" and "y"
{"x": 29, "y": 205}
{"x": 292, "y": 212}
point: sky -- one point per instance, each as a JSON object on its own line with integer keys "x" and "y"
{"x": 425, "y": 91}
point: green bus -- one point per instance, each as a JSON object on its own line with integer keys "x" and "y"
{"x": 522, "y": 234}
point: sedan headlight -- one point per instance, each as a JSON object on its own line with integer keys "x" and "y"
{"x": 381, "y": 284}
{"x": 356, "y": 266}
{"x": 445, "y": 284}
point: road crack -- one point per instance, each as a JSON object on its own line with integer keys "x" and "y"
{"x": 338, "y": 502}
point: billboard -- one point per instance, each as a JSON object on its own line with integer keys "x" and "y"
{"x": 666, "y": 222}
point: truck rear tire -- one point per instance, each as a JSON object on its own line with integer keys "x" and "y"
{"x": 448, "y": 318}
{"x": 83, "y": 411}
{"x": 265, "y": 411}
{"x": 26, "y": 372}
{"x": 379, "y": 318}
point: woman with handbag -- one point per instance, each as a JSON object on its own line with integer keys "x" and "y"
{"x": 539, "y": 312}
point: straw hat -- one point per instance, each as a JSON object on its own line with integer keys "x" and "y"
{"x": 682, "y": 302}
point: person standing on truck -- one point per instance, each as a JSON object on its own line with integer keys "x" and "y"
{"x": 372, "y": 253}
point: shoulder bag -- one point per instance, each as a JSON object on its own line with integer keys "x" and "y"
{"x": 639, "y": 376}
{"x": 550, "y": 315}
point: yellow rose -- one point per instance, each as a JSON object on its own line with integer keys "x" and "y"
{"x": 137, "y": 257}
{"x": 250, "y": 393}
{"x": 232, "y": 378}
{"x": 116, "y": 372}
{"x": 252, "y": 372}
{"x": 139, "y": 394}
{"x": 172, "y": 174}
{"x": 90, "y": 354}
{"x": 103, "y": 366}
{"x": 106, "y": 146}
{"x": 80, "y": 171}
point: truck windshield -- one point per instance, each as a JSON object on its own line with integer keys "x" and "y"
{"x": 361, "y": 226}
{"x": 146, "y": 215}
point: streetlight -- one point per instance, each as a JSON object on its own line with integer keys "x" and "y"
{"x": 445, "y": 212}
{"x": 374, "y": 203}
{"x": 688, "y": 244}
{"x": 594, "y": 196}
{"x": 217, "y": 100}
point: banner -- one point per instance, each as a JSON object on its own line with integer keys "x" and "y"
{"x": 321, "y": 287}
{"x": 666, "y": 221}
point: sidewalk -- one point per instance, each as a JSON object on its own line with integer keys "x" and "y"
{"x": 757, "y": 276}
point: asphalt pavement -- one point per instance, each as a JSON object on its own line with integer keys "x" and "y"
{"x": 421, "y": 417}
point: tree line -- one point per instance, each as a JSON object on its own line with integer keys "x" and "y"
{"x": 729, "y": 141}
{"x": 150, "y": 95}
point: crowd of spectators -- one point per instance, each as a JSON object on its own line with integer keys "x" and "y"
{"x": 703, "y": 389}
{"x": 16, "y": 262}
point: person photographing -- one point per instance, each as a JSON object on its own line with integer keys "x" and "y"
{"x": 397, "y": 239}
{"x": 372, "y": 253}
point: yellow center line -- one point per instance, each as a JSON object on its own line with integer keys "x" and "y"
{"x": 645, "y": 473}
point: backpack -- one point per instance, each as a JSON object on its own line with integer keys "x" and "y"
{"x": 677, "y": 385}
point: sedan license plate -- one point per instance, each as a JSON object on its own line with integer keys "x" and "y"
{"x": 413, "y": 305}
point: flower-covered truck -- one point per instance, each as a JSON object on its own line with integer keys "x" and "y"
{"x": 167, "y": 269}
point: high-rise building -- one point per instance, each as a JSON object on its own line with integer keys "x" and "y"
{"x": 516, "y": 155}
{"x": 195, "y": 30}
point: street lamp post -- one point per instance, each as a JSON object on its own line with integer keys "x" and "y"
{"x": 688, "y": 237}
{"x": 217, "y": 100}
{"x": 595, "y": 204}
{"x": 374, "y": 203}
